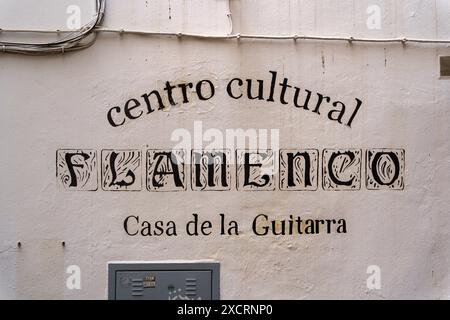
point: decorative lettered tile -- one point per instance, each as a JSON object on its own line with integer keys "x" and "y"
{"x": 341, "y": 169}
{"x": 385, "y": 169}
{"x": 121, "y": 170}
{"x": 76, "y": 169}
{"x": 256, "y": 170}
{"x": 166, "y": 170}
{"x": 210, "y": 170}
{"x": 299, "y": 169}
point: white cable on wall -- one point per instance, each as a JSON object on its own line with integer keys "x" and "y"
{"x": 274, "y": 37}
{"x": 243, "y": 36}
{"x": 71, "y": 42}
{"x": 238, "y": 36}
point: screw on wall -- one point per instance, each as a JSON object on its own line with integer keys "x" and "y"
{"x": 63, "y": 243}
{"x": 19, "y": 244}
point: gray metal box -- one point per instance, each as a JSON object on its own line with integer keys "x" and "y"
{"x": 163, "y": 281}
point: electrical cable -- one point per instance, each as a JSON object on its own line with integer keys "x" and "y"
{"x": 73, "y": 40}
{"x": 76, "y": 40}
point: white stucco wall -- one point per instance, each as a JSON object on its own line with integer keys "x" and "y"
{"x": 60, "y": 102}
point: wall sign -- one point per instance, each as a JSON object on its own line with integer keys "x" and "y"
{"x": 275, "y": 91}
{"x": 211, "y": 170}
{"x": 179, "y": 169}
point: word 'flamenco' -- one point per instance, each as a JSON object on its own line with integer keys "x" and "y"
{"x": 220, "y": 170}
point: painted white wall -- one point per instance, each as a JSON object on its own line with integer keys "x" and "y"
{"x": 54, "y": 102}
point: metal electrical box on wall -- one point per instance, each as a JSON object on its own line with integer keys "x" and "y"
{"x": 163, "y": 281}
